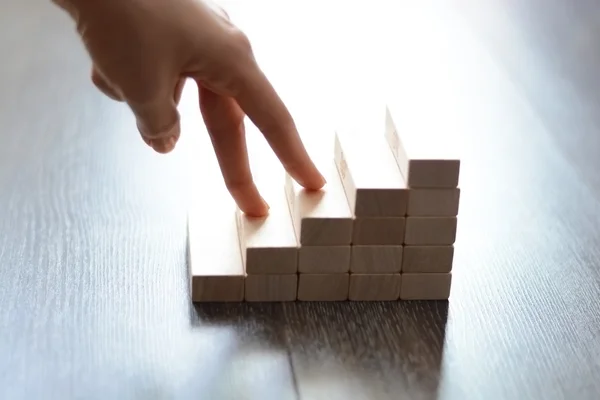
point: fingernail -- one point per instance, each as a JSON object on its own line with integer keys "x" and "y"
{"x": 163, "y": 146}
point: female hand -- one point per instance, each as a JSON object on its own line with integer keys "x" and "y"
{"x": 143, "y": 50}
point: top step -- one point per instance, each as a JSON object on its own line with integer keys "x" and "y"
{"x": 426, "y": 159}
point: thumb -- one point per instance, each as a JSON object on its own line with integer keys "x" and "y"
{"x": 158, "y": 122}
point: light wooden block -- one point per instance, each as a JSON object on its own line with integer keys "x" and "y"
{"x": 370, "y": 176}
{"x": 423, "y": 259}
{"x": 324, "y": 259}
{"x": 433, "y": 286}
{"x": 269, "y": 244}
{"x": 376, "y": 259}
{"x": 433, "y": 202}
{"x": 379, "y": 287}
{"x": 214, "y": 257}
{"x": 215, "y": 262}
{"x": 321, "y": 218}
{"x": 271, "y": 288}
{"x": 425, "y": 160}
{"x": 430, "y": 231}
{"x": 323, "y": 287}
{"x": 378, "y": 231}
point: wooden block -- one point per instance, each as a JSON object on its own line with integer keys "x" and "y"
{"x": 321, "y": 218}
{"x": 215, "y": 262}
{"x": 323, "y": 287}
{"x": 433, "y": 202}
{"x": 430, "y": 230}
{"x": 434, "y": 286}
{"x": 374, "y": 287}
{"x": 271, "y": 287}
{"x": 376, "y": 259}
{"x": 378, "y": 231}
{"x": 324, "y": 259}
{"x": 214, "y": 257}
{"x": 370, "y": 176}
{"x": 423, "y": 259}
{"x": 269, "y": 244}
{"x": 425, "y": 160}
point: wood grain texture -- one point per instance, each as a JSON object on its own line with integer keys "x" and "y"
{"x": 374, "y": 287}
{"x": 421, "y": 259}
{"x": 271, "y": 287}
{"x": 384, "y": 351}
{"x": 324, "y": 259}
{"x": 433, "y": 202}
{"x": 257, "y": 365}
{"x": 94, "y": 283}
{"x": 430, "y": 231}
{"x": 428, "y": 286}
{"x": 376, "y": 259}
{"x": 378, "y": 231}
{"x": 323, "y": 287}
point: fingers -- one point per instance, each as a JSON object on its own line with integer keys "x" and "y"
{"x": 224, "y": 122}
{"x": 262, "y": 104}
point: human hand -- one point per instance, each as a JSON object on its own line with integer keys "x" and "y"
{"x": 142, "y": 52}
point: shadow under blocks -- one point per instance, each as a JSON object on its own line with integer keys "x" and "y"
{"x": 370, "y": 350}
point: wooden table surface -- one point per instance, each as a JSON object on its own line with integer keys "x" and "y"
{"x": 94, "y": 300}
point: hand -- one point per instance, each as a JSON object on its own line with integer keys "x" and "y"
{"x": 142, "y": 52}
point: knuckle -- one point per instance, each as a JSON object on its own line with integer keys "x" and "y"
{"x": 241, "y": 63}
{"x": 241, "y": 43}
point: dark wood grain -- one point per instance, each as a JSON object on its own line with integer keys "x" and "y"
{"x": 260, "y": 367}
{"x": 94, "y": 298}
{"x": 367, "y": 351}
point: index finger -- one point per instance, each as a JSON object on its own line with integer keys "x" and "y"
{"x": 261, "y": 103}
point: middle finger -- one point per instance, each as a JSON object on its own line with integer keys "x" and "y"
{"x": 224, "y": 121}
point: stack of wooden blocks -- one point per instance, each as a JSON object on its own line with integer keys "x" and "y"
{"x": 382, "y": 229}
{"x": 431, "y": 215}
